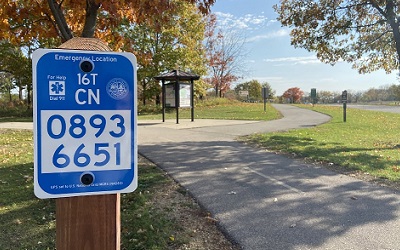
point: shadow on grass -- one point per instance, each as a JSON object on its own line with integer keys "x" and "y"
{"x": 26, "y": 221}
{"x": 16, "y": 184}
{"x": 332, "y": 152}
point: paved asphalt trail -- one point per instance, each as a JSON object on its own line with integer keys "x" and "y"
{"x": 267, "y": 201}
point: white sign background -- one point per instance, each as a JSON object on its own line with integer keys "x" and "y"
{"x": 71, "y": 144}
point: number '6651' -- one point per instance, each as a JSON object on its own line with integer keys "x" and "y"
{"x": 82, "y": 159}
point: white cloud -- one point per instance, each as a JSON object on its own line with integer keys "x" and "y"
{"x": 250, "y": 61}
{"x": 223, "y": 15}
{"x": 295, "y": 60}
{"x": 269, "y": 35}
{"x": 248, "y": 21}
{"x": 256, "y": 26}
{"x": 326, "y": 80}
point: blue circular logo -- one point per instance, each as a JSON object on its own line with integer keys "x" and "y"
{"x": 117, "y": 88}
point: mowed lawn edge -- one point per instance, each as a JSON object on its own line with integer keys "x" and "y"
{"x": 367, "y": 143}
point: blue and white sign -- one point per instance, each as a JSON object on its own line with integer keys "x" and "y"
{"x": 84, "y": 123}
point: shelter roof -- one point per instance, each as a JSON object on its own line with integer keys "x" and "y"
{"x": 177, "y": 75}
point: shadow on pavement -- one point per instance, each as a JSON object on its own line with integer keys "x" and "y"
{"x": 266, "y": 201}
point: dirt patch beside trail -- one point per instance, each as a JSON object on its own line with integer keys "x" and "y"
{"x": 202, "y": 230}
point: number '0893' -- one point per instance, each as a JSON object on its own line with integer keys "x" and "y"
{"x": 76, "y": 128}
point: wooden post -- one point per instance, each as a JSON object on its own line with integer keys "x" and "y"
{"x": 264, "y": 96}
{"x": 88, "y": 222}
{"x": 344, "y": 100}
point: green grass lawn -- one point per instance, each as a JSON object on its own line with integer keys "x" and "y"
{"x": 369, "y": 141}
{"x": 218, "y": 108}
{"x": 228, "y": 111}
{"x": 27, "y": 222}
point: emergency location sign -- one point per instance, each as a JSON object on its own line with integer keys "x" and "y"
{"x": 85, "y": 139}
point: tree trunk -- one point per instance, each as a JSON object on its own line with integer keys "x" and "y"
{"x": 158, "y": 99}
{"x": 59, "y": 18}
{"x": 90, "y": 20}
{"x": 144, "y": 93}
{"x": 20, "y": 89}
{"x": 394, "y": 24}
{"x": 29, "y": 98}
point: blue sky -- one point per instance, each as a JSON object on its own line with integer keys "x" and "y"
{"x": 270, "y": 57}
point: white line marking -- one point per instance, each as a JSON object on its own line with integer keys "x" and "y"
{"x": 276, "y": 181}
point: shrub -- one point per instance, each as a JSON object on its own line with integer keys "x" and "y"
{"x": 15, "y": 109}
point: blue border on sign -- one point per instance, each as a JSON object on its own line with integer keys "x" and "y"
{"x": 60, "y": 67}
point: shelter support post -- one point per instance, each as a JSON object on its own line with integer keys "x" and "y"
{"x": 177, "y": 101}
{"x": 192, "y": 99}
{"x": 163, "y": 100}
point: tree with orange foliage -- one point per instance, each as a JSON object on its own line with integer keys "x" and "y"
{"x": 38, "y": 23}
{"x": 225, "y": 55}
{"x": 25, "y": 21}
{"x": 293, "y": 94}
